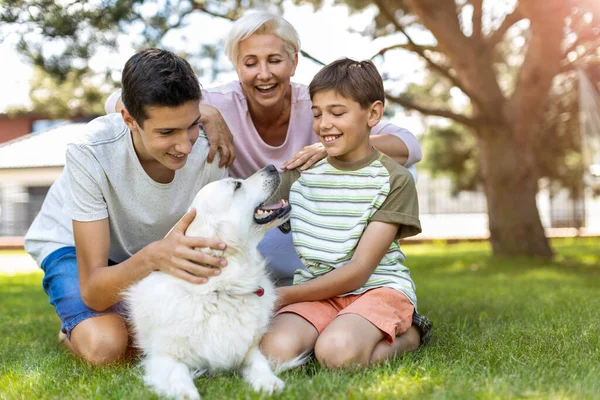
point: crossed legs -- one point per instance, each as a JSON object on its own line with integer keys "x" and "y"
{"x": 349, "y": 340}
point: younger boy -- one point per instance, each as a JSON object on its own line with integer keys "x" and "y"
{"x": 355, "y": 298}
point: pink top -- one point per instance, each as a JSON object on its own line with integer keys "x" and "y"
{"x": 252, "y": 153}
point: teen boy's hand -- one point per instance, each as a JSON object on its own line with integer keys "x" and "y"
{"x": 306, "y": 157}
{"x": 218, "y": 134}
{"x": 176, "y": 254}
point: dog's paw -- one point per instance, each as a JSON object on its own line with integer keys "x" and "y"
{"x": 269, "y": 384}
{"x": 174, "y": 390}
{"x": 182, "y": 394}
{"x": 188, "y": 395}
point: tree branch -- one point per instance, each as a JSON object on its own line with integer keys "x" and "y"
{"x": 405, "y": 46}
{"x": 406, "y": 102}
{"x": 542, "y": 63}
{"x": 577, "y": 63}
{"x": 476, "y": 19}
{"x": 582, "y": 39}
{"x": 179, "y": 20}
{"x": 201, "y": 7}
{"x": 305, "y": 54}
{"x": 497, "y": 36}
{"x": 168, "y": 28}
{"x": 444, "y": 71}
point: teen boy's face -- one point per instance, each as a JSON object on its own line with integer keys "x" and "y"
{"x": 166, "y": 137}
{"x": 343, "y": 126}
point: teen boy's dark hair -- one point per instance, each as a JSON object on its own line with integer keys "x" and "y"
{"x": 155, "y": 77}
{"x": 356, "y": 80}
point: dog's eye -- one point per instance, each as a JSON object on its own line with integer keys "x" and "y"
{"x": 238, "y": 185}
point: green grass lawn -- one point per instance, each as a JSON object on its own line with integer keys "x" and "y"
{"x": 504, "y": 328}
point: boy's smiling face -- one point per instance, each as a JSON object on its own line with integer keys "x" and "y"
{"x": 166, "y": 137}
{"x": 343, "y": 126}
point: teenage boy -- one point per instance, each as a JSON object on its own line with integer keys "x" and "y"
{"x": 355, "y": 298}
{"x": 125, "y": 184}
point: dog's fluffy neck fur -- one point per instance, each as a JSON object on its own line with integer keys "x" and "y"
{"x": 241, "y": 253}
{"x": 229, "y": 282}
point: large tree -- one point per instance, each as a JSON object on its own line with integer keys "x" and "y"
{"x": 470, "y": 50}
{"x": 505, "y": 118}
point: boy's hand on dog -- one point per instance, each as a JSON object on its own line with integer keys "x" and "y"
{"x": 176, "y": 254}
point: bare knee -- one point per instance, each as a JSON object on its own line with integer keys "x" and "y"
{"x": 100, "y": 342}
{"x": 411, "y": 339}
{"x": 408, "y": 341}
{"x": 279, "y": 346}
{"x": 339, "y": 349}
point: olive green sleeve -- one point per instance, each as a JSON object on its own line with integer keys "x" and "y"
{"x": 401, "y": 205}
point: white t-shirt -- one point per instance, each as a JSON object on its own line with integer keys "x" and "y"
{"x": 103, "y": 178}
{"x": 252, "y": 153}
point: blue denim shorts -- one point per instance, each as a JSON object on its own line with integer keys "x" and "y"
{"x": 61, "y": 284}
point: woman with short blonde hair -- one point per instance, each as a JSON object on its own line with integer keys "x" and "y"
{"x": 261, "y": 23}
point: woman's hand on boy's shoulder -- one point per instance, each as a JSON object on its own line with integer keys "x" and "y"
{"x": 306, "y": 157}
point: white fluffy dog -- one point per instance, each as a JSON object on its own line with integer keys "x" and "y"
{"x": 185, "y": 329}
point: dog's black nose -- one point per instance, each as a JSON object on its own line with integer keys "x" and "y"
{"x": 270, "y": 168}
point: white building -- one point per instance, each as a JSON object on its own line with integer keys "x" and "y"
{"x": 28, "y": 166}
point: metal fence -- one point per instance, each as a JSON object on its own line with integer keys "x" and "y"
{"x": 435, "y": 198}
{"x": 559, "y": 209}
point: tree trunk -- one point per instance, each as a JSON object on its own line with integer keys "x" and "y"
{"x": 510, "y": 184}
{"x": 507, "y": 157}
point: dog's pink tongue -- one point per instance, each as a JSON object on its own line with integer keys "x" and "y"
{"x": 272, "y": 206}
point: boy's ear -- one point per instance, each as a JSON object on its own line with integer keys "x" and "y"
{"x": 375, "y": 113}
{"x": 128, "y": 118}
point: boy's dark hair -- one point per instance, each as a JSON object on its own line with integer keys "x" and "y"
{"x": 356, "y": 80}
{"x": 155, "y": 77}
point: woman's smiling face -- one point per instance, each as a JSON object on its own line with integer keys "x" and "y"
{"x": 265, "y": 69}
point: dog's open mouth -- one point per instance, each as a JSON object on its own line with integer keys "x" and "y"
{"x": 264, "y": 214}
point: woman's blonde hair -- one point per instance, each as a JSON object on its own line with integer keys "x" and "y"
{"x": 262, "y": 23}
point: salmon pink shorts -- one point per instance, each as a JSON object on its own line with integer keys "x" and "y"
{"x": 388, "y": 309}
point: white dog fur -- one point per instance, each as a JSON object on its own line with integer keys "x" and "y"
{"x": 185, "y": 329}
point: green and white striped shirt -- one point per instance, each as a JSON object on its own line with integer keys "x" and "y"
{"x": 333, "y": 202}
